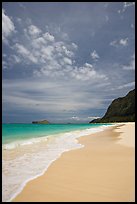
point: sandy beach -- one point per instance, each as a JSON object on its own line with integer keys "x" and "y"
{"x": 103, "y": 170}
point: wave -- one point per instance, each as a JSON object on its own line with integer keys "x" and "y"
{"x": 76, "y": 133}
{"x": 38, "y": 158}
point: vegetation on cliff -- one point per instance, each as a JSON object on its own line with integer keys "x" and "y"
{"x": 120, "y": 110}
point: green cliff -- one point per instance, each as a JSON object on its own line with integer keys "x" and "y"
{"x": 120, "y": 110}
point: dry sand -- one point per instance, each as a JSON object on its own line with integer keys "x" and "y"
{"x": 104, "y": 170}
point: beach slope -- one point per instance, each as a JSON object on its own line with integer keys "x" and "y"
{"x": 103, "y": 170}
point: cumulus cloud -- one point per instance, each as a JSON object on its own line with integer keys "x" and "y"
{"x": 38, "y": 42}
{"x": 48, "y": 37}
{"x": 122, "y": 42}
{"x": 67, "y": 61}
{"x": 94, "y": 55}
{"x": 54, "y": 58}
{"x": 25, "y": 53}
{"x": 47, "y": 52}
{"x": 7, "y": 26}
{"x": 34, "y": 31}
{"x": 131, "y": 65}
{"x": 87, "y": 72}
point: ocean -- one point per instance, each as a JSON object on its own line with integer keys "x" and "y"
{"x": 29, "y": 149}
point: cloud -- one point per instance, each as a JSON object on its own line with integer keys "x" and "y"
{"x": 74, "y": 46}
{"x": 16, "y": 59}
{"x": 7, "y": 26}
{"x": 19, "y": 20}
{"x": 67, "y": 61}
{"x": 82, "y": 118}
{"x": 122, "y": 42}
{"x": 52, "y": 57}
{"x": 4, "y": 64}
{"x": 87, "y": 72}
{"x": 31, "y": 32}
{"x": 93, "y": 117}
{"x": 131, "y": 65}
{"x": 113, "y": 43}
{"x": 124, "y": 86}
{"x": 126, "y": 5}
{"x": 131, "y": 84}
{"x": 38, "y": 42}
{"x": 48, "y": 96}
{"x": 21, "y": 49}
{"x": 49, "y": 37}
{"x": 12, "y": 60}
{"x": 119, "y": 11}
{"x": 75, "y": 118}
{"x": 47, "y": 52}
{"x": 25, "y": 53}
{"x": 34, "y": 31}
{"x": 94, "y": 55}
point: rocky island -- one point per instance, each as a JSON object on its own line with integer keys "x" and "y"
{"x": 41, "y": 122}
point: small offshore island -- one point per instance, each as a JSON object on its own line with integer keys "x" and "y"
{"x": 41, "y": 122}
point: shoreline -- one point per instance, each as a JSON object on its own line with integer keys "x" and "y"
{"x": 70, "y": 142}
{"x": 60, "y": 189}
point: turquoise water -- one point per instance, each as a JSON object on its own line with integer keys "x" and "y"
{"x": 14, "y": 132}
{"x": 29, "y": 150}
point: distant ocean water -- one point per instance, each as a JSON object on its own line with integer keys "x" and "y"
{"x": 29, "y": 149}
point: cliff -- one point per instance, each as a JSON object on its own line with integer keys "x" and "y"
{"x": 120, "y": 110}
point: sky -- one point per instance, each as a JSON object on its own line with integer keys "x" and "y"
{"x": 65, "y": 61}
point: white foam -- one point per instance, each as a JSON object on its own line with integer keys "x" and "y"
{"x": 17, "y": 172}
{"x": 76, "y": 133}
{"x": 18, "y": 143}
